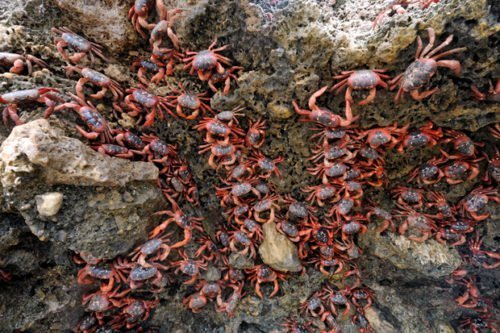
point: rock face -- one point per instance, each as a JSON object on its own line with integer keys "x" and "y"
{"x": 278, "y": 251}
{"x": 430, "y": 258}
{"x": 112, "y": 196}
{"x": 289, "y": 49}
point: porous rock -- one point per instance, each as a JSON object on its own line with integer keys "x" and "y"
{"x": 430, "y": 258}
{"x": 107, "y": 201}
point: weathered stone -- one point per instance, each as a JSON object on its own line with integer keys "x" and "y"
{"x": 429, "y": 258}
{"x": 107, "y": 201}
{"x": 37, "y": 146}
{"x": 48, "y": 204}
{"x": 104, "y": 22}
{"x": 278, "y": 251}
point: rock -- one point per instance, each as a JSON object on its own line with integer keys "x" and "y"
{"x": 107, "y": 201}
{"x": 48, "y": 204}
{"x": 37, "y": 147}
{"x": 278, "y": 251}
{"x": 101, "y": 21}
{"x": 429, "y": 258}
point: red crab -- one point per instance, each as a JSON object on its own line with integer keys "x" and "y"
{"x": 321, "y": 194}
{"x": 143, "y": 67}
{"x": 426, "y": 135}
{"x": 217, "y": 130}
{"x": 240, "y": 242}
{"x": 265, "y": 165}
{"x": 298, "y": 210}
{"x": 157, "y": 249}
{"x": 267, "y": 206}
{"x": 321, "y": 115}
{"x": 221, "y": 154}
{"x": 139, "y": 13}
{"x": 328, "y": 266}
{"x": 479, "y": 323}
{"x": 91, "y": 117}
{"x": 113, "y": 150}
{"x": 163, "y": 29}
{"x": 256, "y": 134}
{"x": 481, "y": 257}
{"x": 177, "y": 216}
{"x": 225, "y": 78}
{"x": 384, "y": 215}
{"x": 313, "y": 306}
{"x": 438, "y": 200}
{"x": 336, "y": 298}
{"x": 291, "y": 325}
{"x": 141, "y": 101}
{"x": 99, "y": 302}
{"x": 157, "y": 150}
{"x": 205, "y": 61}
{"x": 262, "y": 274}
{"x": 134, "y": 311}
{"x": 98, "y": 79}
{"x": 388, "y": 136}
{"x": 16, "y": 63}
{"x": 463, "y": 145}
{"x": 459, "y": 171}
{"x": 140, "y": 275}
{"x": 407, "y": 196}
{"x": 111, "y": 272}
{"x": 184, "y": 100}
{"x": 417, "y": 223}
{"x": 429, "y": 173}
{"x": 230, "y": 305}
{"x": 477, "y": 200}
{"x": 14, "y": 98}
{"x": 493, "y": 94}
{"x": 424, "y": 67}
{"x": 83, "y": 46}
{"x": 237, "y": 192}
{"x": 189, "y": 267}
{"x": 399, "y": 7}
{"x": 360, "y": 80}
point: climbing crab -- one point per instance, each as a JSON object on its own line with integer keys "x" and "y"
{"x": 409, "y": 196}
{"x": 83, "y": 46}
{"x": 321, "y": 115}
{"x": 388, "y": 136}
{"x": 426, "y": 135}
{"x": 480, "y": 257}
{"x": 156, "y": 249}
{"x": 221, "y": 153}
{"x": 189, "y": 267}
{"x": 225, "y": 78}
{"x": 141, "y": 101}
{"x": 265, "y": 165}
{"x": 16, "y": 63}
{"x": 143, "y": 67}
{"x": 14, "y": 98}
{"x": 138, "y": 15}
{"x": 420, "y": 225}
{"x": 429, "y": 173}
{"x": 91, "y": 76}
{"x": 321, "y": 194}
{"x": 205, "y": 61}
{"x": 361, "y": 80}
{"x": 493, "y": 94}
{"x": 381, "y": 214}
{"x": 97, "y": 124}
{"x": 476, "y": 201}
{"x": 177, "y": 216}
{"x": 185, "y": 100}
{"x": 256, "y": 133}
{"x": 424, "y": 67}
{"x": 336, "y": 298}
{"x": 262, "y": 274}
{"x": 313, "y": 306}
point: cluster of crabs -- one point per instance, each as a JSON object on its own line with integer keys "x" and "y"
{"x": 324, "y": 221}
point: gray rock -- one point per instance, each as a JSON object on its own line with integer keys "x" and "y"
{"x": 107, "y": 201}
{"x": 429, "y": 258}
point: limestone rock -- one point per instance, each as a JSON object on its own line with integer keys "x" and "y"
{"x": 278, "y": 251}
{"x": 429, "y": 258}
{"x": 107, "y": 201}
{"x": 48, "y": 204}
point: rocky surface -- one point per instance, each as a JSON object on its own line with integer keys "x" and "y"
{"x": 278, "y": 251}
{"x": 289, "y": 49}
{"x": 39, "y": 165}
